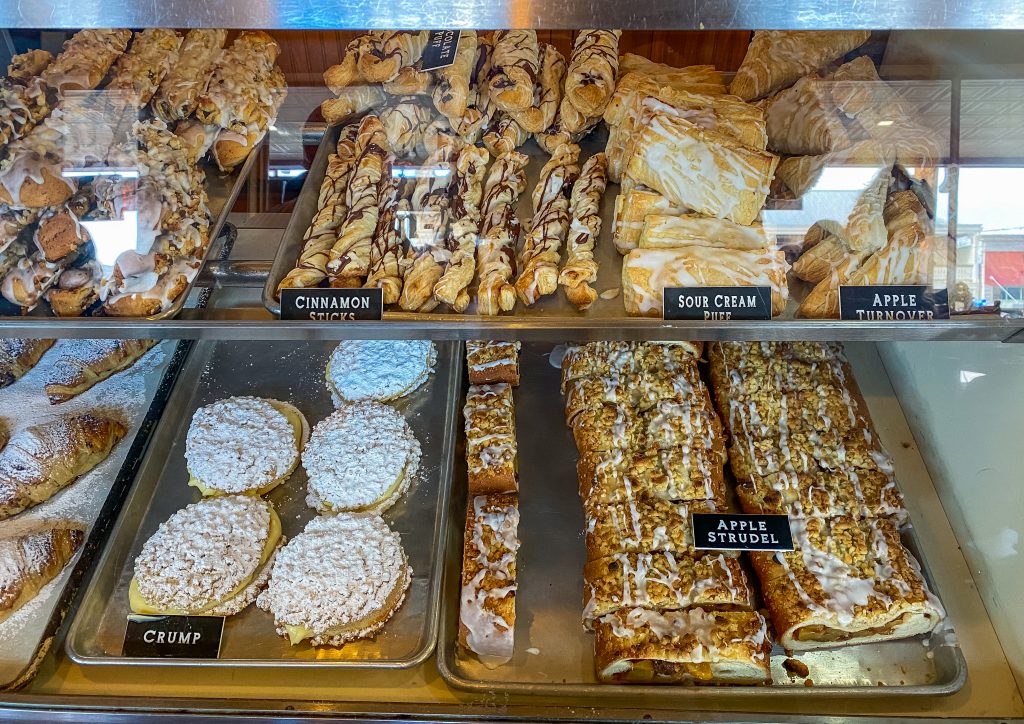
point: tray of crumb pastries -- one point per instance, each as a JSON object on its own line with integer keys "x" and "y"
{"x": 120, "y": 159}
{"x": 75, "y": 416}
{"x": 303, "y": 501}
{"x": 580, "y": 573}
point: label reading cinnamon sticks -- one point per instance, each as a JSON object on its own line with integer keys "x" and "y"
{"x": 734, "y": 532}
{"x": 332, "y": 305}
{"x": 441, "y": 48}
{"x": 718, "y": 303}
{"x": 173, "y": 637}
{"x": 893, "y": 302}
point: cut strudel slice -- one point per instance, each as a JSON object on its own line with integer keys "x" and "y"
{"x": 643, "y": 524}
{"x": 491, "y": 450}
{"x": 490, "y": 362}
{"x": 679, "y": 475}
{"x": 826, "y": 494}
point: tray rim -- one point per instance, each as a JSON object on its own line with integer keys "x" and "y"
{"x": 435, "y": 583}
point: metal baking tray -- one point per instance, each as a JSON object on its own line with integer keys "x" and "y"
{"x": 26, "y": 636}
{"x": 222, "y": 190}
{"x": 554, "y": 655}
{"x": 293, "y": 372}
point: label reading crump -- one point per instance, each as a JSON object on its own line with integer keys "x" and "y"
{"x": 173, "y": 637}
{"x": 441, "y": 48}
{"x": 727, "y": 532}
{"x": 332, "y": 305}
{"x": 892, "y": 302}
{"x": 715, "y": 303}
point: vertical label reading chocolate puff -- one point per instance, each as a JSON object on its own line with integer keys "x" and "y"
{"x": 332, "y": 305}
{"x": 893, "y": 302}
{"x": 173, "y": 637}
{"x": 730, "y": 532}
{"x": 441, "y": 48}
{"x": 715, "y": 303}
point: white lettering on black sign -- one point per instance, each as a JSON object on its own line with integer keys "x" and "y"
{"x": 727, "y": 532}
{"x": 893, "y": 302}
{"x": 718, "y": 303}
{"x": 441, "y": 48}
{"x": 174, "y": 637}
{"x": 332, "y": 305}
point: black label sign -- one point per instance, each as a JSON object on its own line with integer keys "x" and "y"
{"x": 440, "y": 50}
{"x": 332, "y": 305}
{"x": 173, "y": 637}
{"x": 891, "y": 302}
{"x": 727, "y": 532}
{"x": 715, "y": 303}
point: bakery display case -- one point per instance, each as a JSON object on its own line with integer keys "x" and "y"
{"x": 665, "y": 370}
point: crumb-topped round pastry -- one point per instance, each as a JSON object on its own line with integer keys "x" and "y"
{"x": 361, "y": 458}
{"x": 338, "y": 580}
{"x": 247, "y": 445}
{"x": 211, "y": 557}
{"x": 374, "y": 369}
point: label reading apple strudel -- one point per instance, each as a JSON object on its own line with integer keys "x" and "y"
{"x": 173, "y": 637}
{"x": 441, "y": 48}
{"x": 717, "y": 303}
{"x": 731, "y": 532}
{"x": 332, "y": 305}
{"x": 893, "y": 302}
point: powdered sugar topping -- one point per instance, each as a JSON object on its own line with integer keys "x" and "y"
{"x": 370, "y": 369}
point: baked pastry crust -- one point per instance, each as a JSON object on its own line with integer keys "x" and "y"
{"x": 18, "y": 356}
{"x": 632, "y": 207}
{"x": 85, "y": 363}
{"x": 642, "y": 524}
{"x": 451, "y": 95}
{"x": 825, "y": 494}
{"x": 178, "y": 94}
{"x": 489, "y": 362}
{"x": 632, "y": 361}
{"x": 34, "y": 558}
{"x": 85, "y": 59}
{"x": 665, "y": 426}
{"x": 673, "y": 474}
{"x": 491, "y": 450}
{"x": 592, "y": 70}
{"x": 515, "y": 69}
{"x": 641, "y": 392}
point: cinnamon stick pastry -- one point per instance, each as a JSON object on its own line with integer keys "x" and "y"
{"x": 411, "y": 81}
{"x": 592, "y": 69}
{"x": 388, "y": 52}
{"x": 505, "y": 135}
{"x": 311, "y": 267}
{"x": 34, "y": 558}
{"x": 430, "y": 248}
{"x": 480, "y": 108}
{"x": 514, "y": 69}
{"x": 547, "y": 93}
{"x": 41, "y": 460}
{"x": 84, "y": 363}
{"x": 538, "y": 274}
{"x": 386, "y": 251}
{"x": 405, "y": 122}
{"x": 580, "y": 268}
{"x": 18, "y": 356}
{"x": 178, "y": 94}
{"x": 453, "y": 286}
{"x": 27, "y": 65}
{"x": 85, "y": 59}
{"x": 139, "y": 71}
{"x": 499, "y": 234}
{"x": 352, "y": 102}
{"x": 341, "y": 75}
{"x": 452, "y": 93}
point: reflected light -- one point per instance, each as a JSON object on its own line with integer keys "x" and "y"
{"x": 845, "y": 178}
{"x": 420, "y": 171}
{"x": 966, "y": 376}
{"x": 113, "y": 236}
{"x": 885, "y": 123}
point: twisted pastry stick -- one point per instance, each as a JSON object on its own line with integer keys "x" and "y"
{"x": 451, "y": 94}
{"x": 386, "y": 250}
{"x": 547, "y": 94}
{"x": 505, "y": 135}
{"x": 311, "y": 268}
{"x": 514, "y": 69}
{"x": 404, "y": 124}
{"x": 496, "y": 254}
{"x": 539, "y": 275}
{"x": 480, "y": 108}
{"x": 453, "y": 287}
{"x": 595, "y": 62}
{"x": 580, "y": 266}
{"x": 388, "y": 52}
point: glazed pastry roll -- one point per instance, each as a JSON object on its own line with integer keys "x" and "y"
{"x": 139, "y": 71}
{"x": 805, "y": 120}
{"x": 179, "y": 90}
{"x": 696, "y": 646}
{"x": 85, "y": 59}
{"x": 490, "y": 362}
{"x": 25, "y": 66}
{"x": 848, "y": 581}
{"x": 491, "y": 450}
{"x": 580, "y": 268}
{"x": 452, "y": 93}
{"x": 696, "y": 79}
{"x": 631, "y": 210}
{"x": 662, "y": 582}
{"x": 594, "y": 64}
{"x": 34, "y": 178}
{"x": 29, "y": 278}
{"x": 83, "y": 363}
{"x": 662, "y": 231}
{"x": 499, "y": 233}
{"x": 77, "y": 289}
{"x": 644, "y": 524}
{"x": 18, "y": 356}
{"x": 236, "y": 94}
{"x": 777, "y": 58}
{"x": 670, "y": 474}
{"x": 487, "y": 601}
{"x": 734, "y": 180}
{"x": 41, "y": 460}
{"x": 388, "y": 52}
{"x": 647, "y": 272}
{"x": 547, "y": 95}
{"x": 515, "y": 69}
{"x": 404, "y": 122}
{"x": 825, "y": 494}
{"x": 32, "y": 559}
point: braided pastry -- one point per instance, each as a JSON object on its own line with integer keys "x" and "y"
{"x": 580, "y": 267}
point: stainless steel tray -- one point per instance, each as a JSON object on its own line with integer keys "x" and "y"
{"x": 222, "y": 190}
{"x": 138, "y": 395}
{"x": 553, "y": 653}
{"x": 292, "y": 372}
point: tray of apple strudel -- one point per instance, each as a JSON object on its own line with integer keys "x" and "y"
{"x": 576, "y": 573}
{"x": 75, "y": 416}
{"x": 120, "y": 159}
{"x": 522, "y": 182}
{"x": 302, "y": 502}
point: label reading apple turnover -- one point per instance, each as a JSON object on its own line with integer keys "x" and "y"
{"x": 893, "y": 302}
{"x": 332, "y": 305}
{"x": 441, "y": 48}
{"x": 718, "y": 303}
{"x": 731, "y": 532}
{"x": 173, "y": 637}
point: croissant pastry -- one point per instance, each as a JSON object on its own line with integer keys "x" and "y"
{"x": 515, "y": 68}
{"x": 31, "y": 560}
{"x": 411, "y": 81}
{"x": 18, "y": 356}
{"x": 83, "y": 363}
{"x": 340, "y": 76}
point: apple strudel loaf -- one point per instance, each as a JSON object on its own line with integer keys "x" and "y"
{"x": 676, "y": 475}
{"x": 665, "y": 426}
{"x": 491, "y": 451}
{"x": 643, "y": 524}
{"x": 825, "y": 494}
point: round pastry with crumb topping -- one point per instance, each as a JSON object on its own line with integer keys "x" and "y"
{"x": 212, "y": 557}
{"x": 360, "y": 459}
{"x": 377, "y": 369}
{"x": 338, "y": 580}
{"x": 246, "y": 445}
